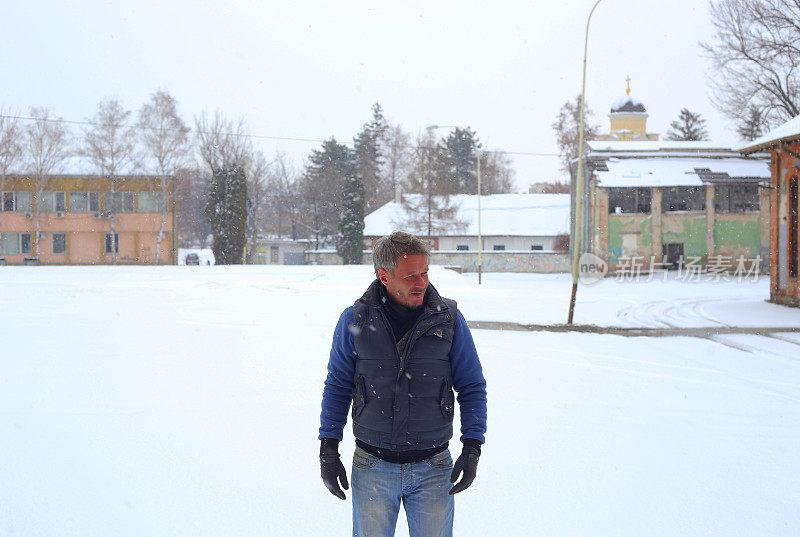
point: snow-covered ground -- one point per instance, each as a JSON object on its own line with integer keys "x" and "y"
{"x": 184, "y": 401}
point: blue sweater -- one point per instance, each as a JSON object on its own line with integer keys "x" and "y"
{"x": 466, "y": 368}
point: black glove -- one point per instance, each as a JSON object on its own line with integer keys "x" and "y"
{"x": 332, "y": 467}
{"x": 467, "y": 462}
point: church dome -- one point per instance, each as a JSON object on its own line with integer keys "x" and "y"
{"x": 627, "y": 105}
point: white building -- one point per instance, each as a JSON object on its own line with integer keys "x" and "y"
{"x": 509, "y": 222}
{"x": 519, "y": 232}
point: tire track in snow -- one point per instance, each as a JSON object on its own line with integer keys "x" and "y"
{"x": 678, "y": 313}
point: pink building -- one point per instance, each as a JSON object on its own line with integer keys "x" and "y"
{"x": 87, "y": 220}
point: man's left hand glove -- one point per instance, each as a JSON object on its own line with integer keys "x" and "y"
{"x": 331, "y": 467}
{"x": 467, "y": 462}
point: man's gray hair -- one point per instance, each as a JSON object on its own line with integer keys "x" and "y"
{"x": 389, "y": 249}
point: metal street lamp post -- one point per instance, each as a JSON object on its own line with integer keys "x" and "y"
{"x": 578, "y": 199}
{"x": 478, "y": 159}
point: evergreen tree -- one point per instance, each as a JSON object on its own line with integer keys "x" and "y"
{"x": 688, "y": 127}
{"x": 225, "y": 147}
{"x": 350, "y": 244}
{"x": 377, "y": 190}
{"x": 752, "y": 126}
{"x": 226, "y": 212}
{"x": 322, "y": 186}
{"x": 461, "y": 158}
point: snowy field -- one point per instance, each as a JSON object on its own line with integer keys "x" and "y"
{"x": 184, "y": 401}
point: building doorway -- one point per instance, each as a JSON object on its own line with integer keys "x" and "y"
{"x": 672, "y": 255}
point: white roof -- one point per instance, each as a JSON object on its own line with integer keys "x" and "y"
{"x": 664, "y": 172}
{"x": 501, "y": 214}
{"x": 790, "y": 129}
{"x": 657, "y": 145}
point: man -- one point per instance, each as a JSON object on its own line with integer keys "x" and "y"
{"x": 397, "y": 354}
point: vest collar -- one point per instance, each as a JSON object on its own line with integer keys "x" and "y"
{"x": 432, "y": 301}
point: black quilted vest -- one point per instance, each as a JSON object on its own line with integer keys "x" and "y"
{"x": 403, "y": 401}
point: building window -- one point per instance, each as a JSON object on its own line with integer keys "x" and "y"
{"x": 462, "y": 247}
{"x": 19, "y": 201}
{"x": 499, "y": 247}
{"x": 53, "y": 202}
{"x": 59, "y": 243}
{"x": 537, "y": 247}
{"x": 151, "y": 202}
{"x": 15, "y": 243}
{"x": 736, "y": 198}
{"x": 120, "y": 202}
{"x": 112, "y": 243}
{"x": 628, "y": 200}
{"x": 683, "y": 198}
{"x": 84, "y": 202}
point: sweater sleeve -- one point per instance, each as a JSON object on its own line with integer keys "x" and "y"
{"x": 469, "y": 382}
{"x": 338, "y": 391}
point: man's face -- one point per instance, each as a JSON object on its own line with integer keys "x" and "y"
{"x": 408, "y": 283}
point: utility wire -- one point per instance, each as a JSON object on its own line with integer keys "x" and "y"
{"x": 253, "y": 136}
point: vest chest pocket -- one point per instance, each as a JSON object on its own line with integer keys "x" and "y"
{"x": 359, "y": 396}
{"x": 442, "y": 332}
{"x": 446, "y": 400}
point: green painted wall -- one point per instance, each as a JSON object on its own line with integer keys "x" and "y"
{"x": 646, "y": 227}
{"x": 693, "y": 236}
{"x": 618, "y": 225}
{"x": 614, "y": 239}
{"x": 741, "y": 234}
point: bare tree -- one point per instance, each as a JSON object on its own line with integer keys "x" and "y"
{"x": 428, "y": 207}
{"x": 166, "y": 139}
{"x": 11, "y": 150}
{"x": 192, "y": 185}
{"x": 47, "y": 145}
{"x": 258, "y": 180}
{"x": 110, "y": 144}
{"x": 397, "y": 156}
{"x": 222, "y": 143}
{"x": 755, "y": 57}
{"x": 497, "y": 174}
{"x": 284, "y": 198}
{"x": 556, "y": 187}
{"x": 567, "y": 127}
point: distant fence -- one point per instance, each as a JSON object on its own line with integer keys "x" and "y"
{"x": 493, "y": 261}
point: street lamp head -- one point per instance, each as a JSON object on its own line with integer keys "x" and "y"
{"x": 431, "y": 127}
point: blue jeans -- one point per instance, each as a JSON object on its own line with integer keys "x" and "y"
{"x": 380, "y": 486}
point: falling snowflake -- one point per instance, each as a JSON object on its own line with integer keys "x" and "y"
{"x": 355, "y": 330}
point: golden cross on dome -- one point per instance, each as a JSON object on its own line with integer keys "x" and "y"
{"x": 628, "y": 80}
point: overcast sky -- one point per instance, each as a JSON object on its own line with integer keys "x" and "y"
{"x": 313, "y": 69}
